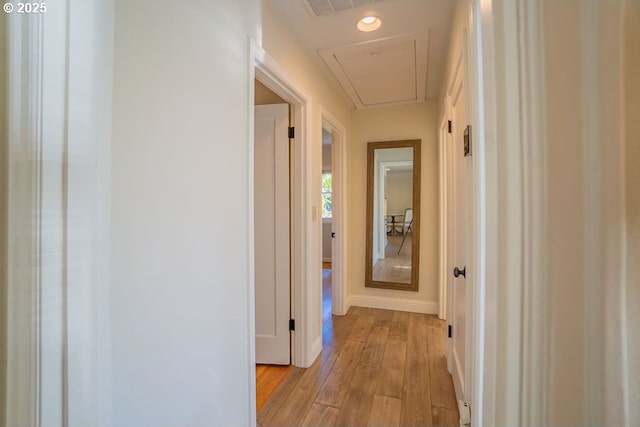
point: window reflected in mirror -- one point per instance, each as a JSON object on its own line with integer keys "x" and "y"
{"x": 327, "y": 198}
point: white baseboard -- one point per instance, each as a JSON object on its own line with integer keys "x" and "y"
{"x": 399, "y": 304}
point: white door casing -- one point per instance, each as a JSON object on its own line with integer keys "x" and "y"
{"x": 306, "y": 298}
{"x": 272, "y": 231}
{"x": 443, "y": 267}
{"x": 338, "y": 267}
{"x": 56, "y": 141}
{"x": 459, "y": 237}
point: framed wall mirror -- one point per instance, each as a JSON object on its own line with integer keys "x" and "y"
{"x": 393, "y": 215}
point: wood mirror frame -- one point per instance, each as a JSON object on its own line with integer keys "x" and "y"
{"x": 415, "y": 227}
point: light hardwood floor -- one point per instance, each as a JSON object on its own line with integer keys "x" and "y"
{"x": 268, "y": 378}
{"x": 377, "y": 368}
{"x": 395, "y": 267}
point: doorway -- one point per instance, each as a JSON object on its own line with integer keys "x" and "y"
{"x": 272, "y": 228}
{"x": 305, "y": 266}
{"x": 326, "y": 208}
{"x": 272, "y": 244}
{"x": 334, "y": 137}
{"x": 305, "y": 316}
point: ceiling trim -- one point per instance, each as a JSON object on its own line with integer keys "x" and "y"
{"x": 421, "y": 40}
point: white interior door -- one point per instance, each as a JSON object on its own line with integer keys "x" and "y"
{"x": 460, "y": 217}
{"x": 272, "y": 230}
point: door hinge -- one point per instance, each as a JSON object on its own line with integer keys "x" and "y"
{"x": 292, "y": 324}
{"x": 464, "y": 409}
{"x": 450, "y": 331}
{"x": 292, "y": 132}
{"x": 467, "y": 141}
{"x": 449, "y": 125}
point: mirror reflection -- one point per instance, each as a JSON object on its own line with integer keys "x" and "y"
{"x": 392, "y": 217}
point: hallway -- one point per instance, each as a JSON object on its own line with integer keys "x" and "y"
{"x": 377, "y": 368}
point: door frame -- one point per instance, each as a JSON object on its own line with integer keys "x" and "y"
{"x": 339, "y": 211}
{"x": 443, "y": 158}
{"x": 461, "y": 70}
{"x": 306, "y": 340}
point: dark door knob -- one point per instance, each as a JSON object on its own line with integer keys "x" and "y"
{"x": 457, "y": 272}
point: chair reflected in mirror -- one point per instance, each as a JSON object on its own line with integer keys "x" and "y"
{"x": 403, "y": 225}
{"x": 406, "y": 226}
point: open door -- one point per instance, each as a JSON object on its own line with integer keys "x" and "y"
{"x": 460, "y": 222}
{"x": 272, "y": 231}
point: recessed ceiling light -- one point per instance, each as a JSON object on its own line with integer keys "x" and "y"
{"x": 369, "y": 23}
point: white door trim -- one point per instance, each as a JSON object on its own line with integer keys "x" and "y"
{"x": 483, "y": 118}
{"x": 516, "y": 258}
{"x": 443, "y": 142}
{"x": 4, "y": 204}
{"x": 56, "y": 167}
{"x": 508, "y": 260}
{"x": 339, "y": 243}
{"x": 250, "y": 278}
{"x": 24, "y": 160}
{"x": 307, "y": 338}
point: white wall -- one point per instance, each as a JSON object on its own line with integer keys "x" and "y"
{"x": 379, "y": 237}
{"x": 326, "y": 153}
{"x": 460, "y": 22}
{"x": 263, "y": 95}
{"x": 181, "y": 339}
{"x": 584, "y": 213}
{"x": 411, "y": 121}
{"x": 326, "y": 240}
{"x": 282, "y": 45}
{"x": 399, "y": 191}
{"x": 565, "y": 216}
{"x": 632, "y": 133}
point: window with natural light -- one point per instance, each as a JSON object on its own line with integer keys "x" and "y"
{"x": 326, "y": 196}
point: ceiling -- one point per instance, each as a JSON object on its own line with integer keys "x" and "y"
{"x": 394, "y": 169}
{"x": 401, "y": 62}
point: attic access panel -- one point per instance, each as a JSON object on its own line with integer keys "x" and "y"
{"x": 318, "y": 8}
{"x": 380, "y": 72}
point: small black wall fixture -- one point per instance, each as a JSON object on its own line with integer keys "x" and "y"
{"x": 467, "y": 141}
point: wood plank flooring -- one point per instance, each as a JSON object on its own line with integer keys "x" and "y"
{"x": 268, "y": 378}
{"x": 377, "y": 368}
